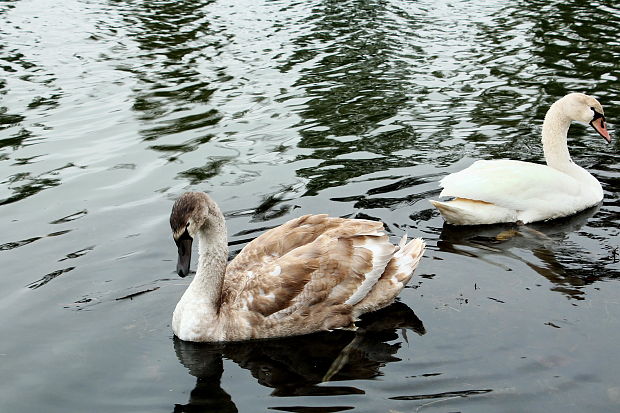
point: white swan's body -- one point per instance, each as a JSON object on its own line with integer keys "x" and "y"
{"x": 495, "y": 191}
{"x": 312, "y": 273}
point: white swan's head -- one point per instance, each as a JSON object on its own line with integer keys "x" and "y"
{"x": 190, "y": 213}
{"x": 584, "y": 108}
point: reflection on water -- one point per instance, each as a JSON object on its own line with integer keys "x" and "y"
{"x": 352, "y": 123}
{"x": 295, "y": 366}
{"x": 172, "y": 94}
{"x": 555, "y": 257}
{"x": 109, "y": 110}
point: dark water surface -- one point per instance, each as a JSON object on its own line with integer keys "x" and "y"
{"x": 111, "y": 109}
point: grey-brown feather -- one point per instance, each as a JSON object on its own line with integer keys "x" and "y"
{"x": 297, "y": 278}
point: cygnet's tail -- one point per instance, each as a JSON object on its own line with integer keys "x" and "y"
{"x": 397, "y": 273}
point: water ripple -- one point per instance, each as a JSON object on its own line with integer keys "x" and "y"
{"x": 357, "y": 108}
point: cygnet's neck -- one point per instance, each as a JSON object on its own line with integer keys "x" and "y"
{"x": 554, "y": 136}
{"x": 212, "y": 260}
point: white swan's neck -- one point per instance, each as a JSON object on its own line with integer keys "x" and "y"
{"x": 555, "y": 147}
{"x": 212, "y": 260}
{"x": 554, "y": 136}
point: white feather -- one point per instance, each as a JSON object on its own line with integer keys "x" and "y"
{"x": 381, "y": 254}
{"x": 492, "y": 191}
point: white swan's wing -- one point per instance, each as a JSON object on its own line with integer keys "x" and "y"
{"x": 512, "y": 184}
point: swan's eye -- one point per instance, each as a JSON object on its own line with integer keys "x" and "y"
{"x": 596, "y": 114}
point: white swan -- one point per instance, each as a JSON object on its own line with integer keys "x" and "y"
{"x": 495, "y": 191}
{"x": 312, "y": 273}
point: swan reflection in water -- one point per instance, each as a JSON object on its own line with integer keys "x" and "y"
{"x": 557, "y": 256}
{"x": 294, "y": 366}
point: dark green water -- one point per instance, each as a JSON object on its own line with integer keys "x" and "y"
{"x": 110, "y": 110}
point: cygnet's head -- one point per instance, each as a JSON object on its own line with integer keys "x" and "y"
{"x": 584, "y": 108}
{"x": 190, "y": 213}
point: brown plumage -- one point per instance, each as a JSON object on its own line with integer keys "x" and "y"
{"x": 312, "y": 273}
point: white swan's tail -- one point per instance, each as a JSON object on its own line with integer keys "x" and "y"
{"x": 462, "y": 211}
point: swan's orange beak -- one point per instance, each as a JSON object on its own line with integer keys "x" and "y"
{"x": 598, "y": 123}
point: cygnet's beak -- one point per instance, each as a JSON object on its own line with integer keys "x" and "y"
{"x": 598, "y": 123}
{"x": 184, "y": 245}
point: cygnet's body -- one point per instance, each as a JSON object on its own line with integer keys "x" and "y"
{"x": 310, "y": 274}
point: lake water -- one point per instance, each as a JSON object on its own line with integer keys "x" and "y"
{"x": 109, "y": 110}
